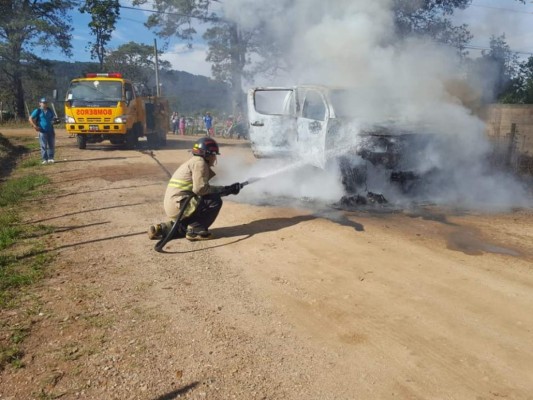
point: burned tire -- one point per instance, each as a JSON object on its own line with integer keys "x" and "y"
{"x": 81, "y": 141}
{"x": 354, "y": 176}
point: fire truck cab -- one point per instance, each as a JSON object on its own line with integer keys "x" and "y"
{"x": 106, "y": 106}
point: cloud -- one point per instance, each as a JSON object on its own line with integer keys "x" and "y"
{"x": 188, "y": 60}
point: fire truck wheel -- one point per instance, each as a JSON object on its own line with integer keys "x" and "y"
{"x": 117, "y": 140}
{"x": 82, "y": 141}
{"x": 131, "y": 139}
{"x": 152, "y": 140}
{"x": 162, "y": 138}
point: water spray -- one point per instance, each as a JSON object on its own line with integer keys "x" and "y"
{"x": 294, "y": 165}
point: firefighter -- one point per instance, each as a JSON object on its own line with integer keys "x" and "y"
{"x": 192, "y": 179}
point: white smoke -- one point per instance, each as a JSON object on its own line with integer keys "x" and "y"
{"x": 351, "y": 44}
{"x": 277, "y": 178}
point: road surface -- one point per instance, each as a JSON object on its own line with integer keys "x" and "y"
{"x": 289, "y": 301}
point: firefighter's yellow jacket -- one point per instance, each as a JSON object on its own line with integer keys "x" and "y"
{"x": 192, "y": 176}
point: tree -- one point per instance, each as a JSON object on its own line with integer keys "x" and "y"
{"x": 228, "y": 47}
{"x": 232, "y": 47}
{"x": 520, "y": 89}
{"x": 24, "y": 25}
{"x": 227, "y": 43}
{"x": 431, "y": 17}
{"x": 495, "y": 71}
{"x": 104, "y": 14}
{"x": 135, "y": 61}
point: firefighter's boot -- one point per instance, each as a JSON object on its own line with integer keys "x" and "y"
{"x": 198, "y": 234}
{"x": 158, "y": 231}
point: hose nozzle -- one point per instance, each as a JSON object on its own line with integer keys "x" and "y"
{"x": 251, "y": 180}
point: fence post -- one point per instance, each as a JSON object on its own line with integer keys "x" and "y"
{"x": 512, "y": 147}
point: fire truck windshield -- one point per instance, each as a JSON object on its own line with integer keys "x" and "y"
{"x": 90, "y": 93}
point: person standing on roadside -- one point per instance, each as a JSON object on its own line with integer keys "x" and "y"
{"x": 175, "y": 120}
{"x": 182, "y": 126}
{"x": 208, "y": 122}
{"x": 43, "y": 119}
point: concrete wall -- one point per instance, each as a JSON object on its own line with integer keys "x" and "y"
{"x": 516, "y": 153}
{"x": 500, "y": 117}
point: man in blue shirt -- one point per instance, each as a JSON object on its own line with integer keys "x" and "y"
{"x": 208, "y": 121}
{"x": 42, "y": 120}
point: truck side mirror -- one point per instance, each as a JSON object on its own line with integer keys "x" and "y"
{"x": 129, "y": 96}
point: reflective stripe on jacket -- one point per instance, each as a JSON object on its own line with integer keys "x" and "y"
{"x": 183, "y": 186}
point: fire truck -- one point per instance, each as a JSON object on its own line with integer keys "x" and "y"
{"x": 106, "y": 106}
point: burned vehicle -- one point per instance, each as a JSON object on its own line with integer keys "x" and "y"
{"x": 323, "y": 125}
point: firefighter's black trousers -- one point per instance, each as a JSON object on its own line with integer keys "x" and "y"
{"x": 205, "y": 214}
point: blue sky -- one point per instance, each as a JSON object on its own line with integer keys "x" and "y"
{"x": 130, "y": 27}
{"x": 494, "y": 17}
{"x": 485, "y": 18}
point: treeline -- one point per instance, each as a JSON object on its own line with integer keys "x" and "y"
{"x": 187, "y": 93}
{"x": 238, "y": 49}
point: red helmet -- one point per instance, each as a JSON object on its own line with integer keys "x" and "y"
{"x": 205, "y": 146}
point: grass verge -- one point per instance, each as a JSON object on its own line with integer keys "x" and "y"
{"x": 22, "y": 260}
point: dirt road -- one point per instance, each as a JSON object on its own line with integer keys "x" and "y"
{"x": 285, "y": 303}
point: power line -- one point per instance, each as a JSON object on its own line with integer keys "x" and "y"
{"x": 470, "y": 47}
{"x": 164, "y": 12}
{"x": 477, "y": 47}
{"x": 502, "y": 9}
{"x": 172, "y": 13}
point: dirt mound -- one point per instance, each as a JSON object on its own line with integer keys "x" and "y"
{"x": 8, "y": 155}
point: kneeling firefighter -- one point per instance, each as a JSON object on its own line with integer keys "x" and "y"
{"x": 191, "y": 180}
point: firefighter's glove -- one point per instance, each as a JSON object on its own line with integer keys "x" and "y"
{"x": 233, "y": 189}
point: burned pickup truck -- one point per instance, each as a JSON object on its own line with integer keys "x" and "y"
{"x": 322, "y": 125}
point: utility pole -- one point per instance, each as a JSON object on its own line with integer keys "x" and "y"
{"x": 157, "y": 86}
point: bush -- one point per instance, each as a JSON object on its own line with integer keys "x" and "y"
{"x": 6, "y": 116}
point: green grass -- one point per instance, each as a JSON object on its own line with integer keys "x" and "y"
{"x": 11, "y": 355}
{"x": 19, "y": 271}
{"x": 31, "y": 162}
{"x": 31, "y": 143}
{"x": 20, "y": 124}
{"x": 15, "y": 190}
{"x": 8, "y": 228}
{"x": 23, "y": 260}
{"x": 33, "y": 146}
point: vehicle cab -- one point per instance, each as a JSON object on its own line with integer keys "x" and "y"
{"x": 317, "y": 123}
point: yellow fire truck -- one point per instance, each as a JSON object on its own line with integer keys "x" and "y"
{"x": 106, "y": 106}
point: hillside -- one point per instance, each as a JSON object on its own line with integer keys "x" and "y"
{"x": 187, "y": 93}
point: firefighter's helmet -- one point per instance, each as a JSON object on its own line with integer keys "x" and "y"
{"x": 205, "y": 146}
